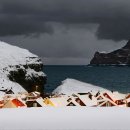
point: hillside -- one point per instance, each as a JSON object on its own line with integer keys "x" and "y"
{"x": 19, "y": 69}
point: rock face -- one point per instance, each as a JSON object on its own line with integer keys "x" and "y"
{"x": 117, "y": 57}
{"x": 20, "y": 70}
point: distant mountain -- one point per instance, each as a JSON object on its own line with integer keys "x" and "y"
{"x": 117, "y": 57}
{"x": 20, "y": 70}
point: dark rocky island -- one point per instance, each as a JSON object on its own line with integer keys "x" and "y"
{"x": 118, "y": 57}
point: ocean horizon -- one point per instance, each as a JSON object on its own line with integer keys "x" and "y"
{"x": 114, "y": 78}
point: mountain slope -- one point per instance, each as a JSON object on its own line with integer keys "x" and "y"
{"x": 19, "y": 69}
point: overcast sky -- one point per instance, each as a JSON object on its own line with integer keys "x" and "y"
{"x": 65, "y": 31}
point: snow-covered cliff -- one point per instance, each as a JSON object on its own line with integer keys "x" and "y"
{"x": 19, "y": 69}
{"x": 119, "y": 57}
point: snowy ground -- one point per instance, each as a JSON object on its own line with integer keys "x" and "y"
{"x": 66, "y": 118}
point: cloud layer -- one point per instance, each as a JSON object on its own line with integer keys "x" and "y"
{"x": 65, "y": 31}
{"x": 33, "y": 17}
{"x": 74, "y": 45}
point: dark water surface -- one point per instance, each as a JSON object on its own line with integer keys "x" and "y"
{"x": 110, "y": 77}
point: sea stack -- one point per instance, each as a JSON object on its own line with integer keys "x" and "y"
{"x": 117, "y": 57}
{"x": 20, "y": 70}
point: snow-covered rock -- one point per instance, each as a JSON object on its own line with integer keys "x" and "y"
{"x": 70, "y": 86}
{"x": 19, "y": 69}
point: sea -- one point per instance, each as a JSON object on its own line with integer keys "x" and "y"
{"x": 115, "y": 78}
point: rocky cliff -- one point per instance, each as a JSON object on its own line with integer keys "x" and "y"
{"x": 117, "y": 57}
{"x": 20, "y": 70}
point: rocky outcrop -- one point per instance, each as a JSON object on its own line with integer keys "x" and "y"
{"x": 28, "y": 76}
{"x": 117, "y": 57}
{"x": 20, "y": 70}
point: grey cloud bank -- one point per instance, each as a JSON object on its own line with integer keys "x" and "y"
{"x": 65, "y": 31}
{"x": 31, "y": 16}
{"x": 71, "y": 46}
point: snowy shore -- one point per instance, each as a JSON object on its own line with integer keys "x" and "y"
{"x": 72, "y": 118}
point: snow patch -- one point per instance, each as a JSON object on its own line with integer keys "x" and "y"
{"x": 70, "y": 86}
{"x": 31, "y": 72}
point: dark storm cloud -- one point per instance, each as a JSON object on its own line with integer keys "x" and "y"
{"x": 25, "y": 17}
{"x": 18, "y": 26}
